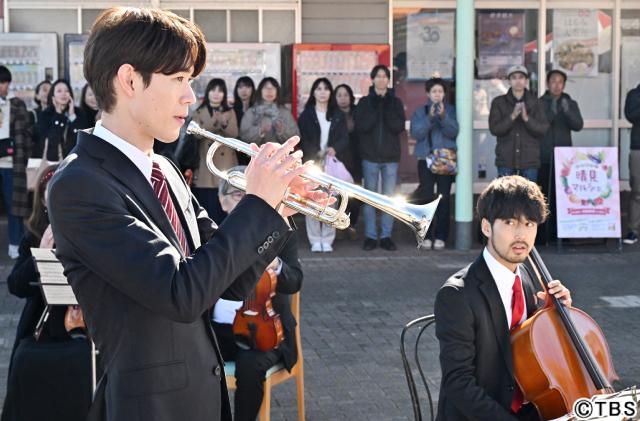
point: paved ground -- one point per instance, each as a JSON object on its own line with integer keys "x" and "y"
{"x": 354, "y": 305}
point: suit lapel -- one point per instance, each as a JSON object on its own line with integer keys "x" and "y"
{"x": 125, "y": 171}
{"x": 489, "y": 290}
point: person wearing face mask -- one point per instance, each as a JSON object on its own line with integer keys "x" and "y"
{"x": 268, "y": 120}
{"x": 518, "y": 121}
{"x": 323, "y": 132}
{"x": 379, "y": 120}
{"x": 61, "y": 121}
{"x": 434, "y": 126}
{"x": 213, "y": 115}
{"x": 564, "y": 117}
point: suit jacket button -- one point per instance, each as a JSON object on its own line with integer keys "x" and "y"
{"x": 276, "y": 235}
{"x": 266, "y": 245}
{"x": 270, "y": 239}
{"x": 216, "y": 371}
{"x": 260, "y": 250}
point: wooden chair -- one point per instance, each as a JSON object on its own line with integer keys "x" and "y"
{"x": 278, "y": 373}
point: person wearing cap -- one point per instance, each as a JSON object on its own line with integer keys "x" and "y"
{"x": 518, "y": 121}
{"x": 564, "y": 117}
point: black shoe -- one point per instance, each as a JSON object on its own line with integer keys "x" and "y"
{"x": 387, "y": 244}
{"x": 369, "y": 244}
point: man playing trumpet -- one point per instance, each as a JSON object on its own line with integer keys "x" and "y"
{"x": 144, "y": 260}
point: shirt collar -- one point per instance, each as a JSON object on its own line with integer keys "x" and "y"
{"x": 141, "y": 160}
{"x": 502, "y": 276}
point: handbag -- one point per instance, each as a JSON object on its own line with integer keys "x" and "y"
{"x": 442, "y": 161}
{"x": 335, "y": 168}
{"x": 36, "y": 166}
{"x": 6, "y": 147}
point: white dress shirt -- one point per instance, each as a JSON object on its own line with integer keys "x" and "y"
{"x": 141, "y": 160}
{"x": 504, "y": 280}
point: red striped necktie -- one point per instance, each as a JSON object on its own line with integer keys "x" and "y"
{"x": 161, "y": 189}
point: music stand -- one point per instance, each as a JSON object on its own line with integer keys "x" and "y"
{"x": 56, "y": 291}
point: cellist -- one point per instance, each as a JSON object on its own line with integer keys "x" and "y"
{"x": 477, "y": 307}
{"x": 252, "y": 364}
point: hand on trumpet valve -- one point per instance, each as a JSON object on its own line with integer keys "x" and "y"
{"x": 274, "y": 171}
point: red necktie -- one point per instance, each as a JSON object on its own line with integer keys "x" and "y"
{"x": 517, "y": 311}
{"x": 161, "y": 189}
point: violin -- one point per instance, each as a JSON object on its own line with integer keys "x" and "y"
{"x": 257, "y": 325}
{"x": 559, "y": 354}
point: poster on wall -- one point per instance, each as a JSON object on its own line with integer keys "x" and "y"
{"x": 500, "y": 42}
{"x": 575, "y": 41}
{"x": 587, "y": 192}
{"x": 430, "y": 45}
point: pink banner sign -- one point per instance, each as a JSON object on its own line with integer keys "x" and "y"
{"x": 587, "y": 192}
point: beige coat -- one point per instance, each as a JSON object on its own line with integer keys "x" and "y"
{"x": 225, "y": 125}
{"x": 267, "y": 123}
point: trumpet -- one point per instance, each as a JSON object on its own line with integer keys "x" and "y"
{"x": 417, "y": 217}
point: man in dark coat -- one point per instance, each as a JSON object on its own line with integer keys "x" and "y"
{"x": 518, "y": 122}
{"x": 564, "y": 117}
{"x": 379, "y": 119}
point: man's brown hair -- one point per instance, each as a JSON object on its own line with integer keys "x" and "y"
{"x": 512, "y": 197}
{"x": 150, "y": 40}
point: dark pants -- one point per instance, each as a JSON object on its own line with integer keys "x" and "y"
{"x": 251, "y": 369}
{"x": 546, "y": 180}
{"x": 209, "y": 200}
{"x": 426, "y": 193}
{"x": 15, "y": 225}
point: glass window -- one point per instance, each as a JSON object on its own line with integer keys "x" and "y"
{"x": 60, "y": 21}
{"x": 625, "y": 148}
{"x": 630, "y": 65}
{"x": 484, "y": 156}
{"x": 88, "y": 17}
{"x": 505, "y": 37}
{"x": 278, "y": 26}
{"x": 423, "y": 45}
{"x": 581, "y": 46}
{"x": 182, "y": 12}
{"x": 213, "y": 24}
{"x": 244, "y": 26}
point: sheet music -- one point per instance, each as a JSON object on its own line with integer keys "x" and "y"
{"x": 44, "y": 255}
{"x": 58, "y": 295}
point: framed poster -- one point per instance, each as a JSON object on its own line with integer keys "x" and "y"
{"x": 500, "y": 42}
{"x": 575, "y": 41}
{"x": 430, "y": 45}
{"x": 587, "y": 192}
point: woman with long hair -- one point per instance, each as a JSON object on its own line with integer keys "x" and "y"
{"x": 60, "y": 121}
{"x": 346, "y": 102}
{"x": 64, "y": 397}
{"x": 268, "y": 120}
{"x": 323, "y": 131}
{"x": 214, "y": 115}
{"x": 243, "y": 96}
{"x": 89, "y": 105}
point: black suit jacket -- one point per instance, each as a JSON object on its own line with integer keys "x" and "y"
{"x": 145, "y": 303}
{"x": 475, "y": 347}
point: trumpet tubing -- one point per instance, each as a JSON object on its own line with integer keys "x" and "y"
{"x": 417, "y": 217}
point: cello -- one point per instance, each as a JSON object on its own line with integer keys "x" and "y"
{"x": 559, "y": 354}
{"x": 256, "y": 324}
